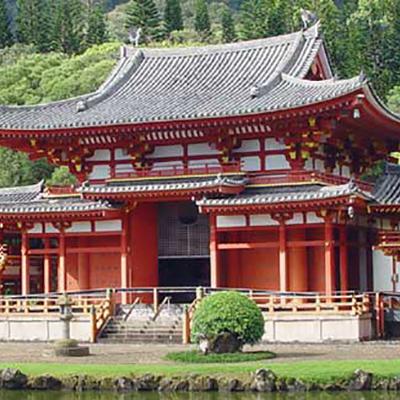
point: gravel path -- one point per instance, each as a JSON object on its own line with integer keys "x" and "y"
{"x": 153, "y": 354}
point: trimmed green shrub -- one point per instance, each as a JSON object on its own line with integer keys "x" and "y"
{"x": 193, "y": 356}
{"x": 230, "y": 312}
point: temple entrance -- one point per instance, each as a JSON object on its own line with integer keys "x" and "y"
{"x": 184, "y": 272}
{"x": 183, "y": 246}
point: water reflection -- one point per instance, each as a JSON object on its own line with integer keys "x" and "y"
{"x": 195, "y": 396}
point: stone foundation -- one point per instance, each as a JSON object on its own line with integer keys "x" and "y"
{"x": 41, "y": 328}
{"x": 317, "y": 328}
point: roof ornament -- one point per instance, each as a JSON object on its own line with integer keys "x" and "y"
{"x": 135, "y": 35}
{"x": 255, "y": 91}
{"x": 81, "y": 105}
{"x": 308, "y": 17}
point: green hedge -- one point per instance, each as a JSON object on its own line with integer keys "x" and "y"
{"x": 228, "y": 312}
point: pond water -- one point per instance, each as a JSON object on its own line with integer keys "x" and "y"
{"x": 26, "y": 395}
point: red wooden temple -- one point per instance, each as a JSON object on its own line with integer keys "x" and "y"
{"x": 237, "y": 165}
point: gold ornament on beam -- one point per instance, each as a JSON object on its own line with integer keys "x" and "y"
{"x": 3, "y": 257}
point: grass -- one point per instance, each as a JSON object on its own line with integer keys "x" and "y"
{"x": 311, "y": 371}
{"x": 194, "y": 356}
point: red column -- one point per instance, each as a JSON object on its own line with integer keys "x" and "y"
{"x": 344, "y": 279}
{"x": 83, "y": 271}
{"x": 62, "y": 274}
{"x": 283, "y": 278}
{"x": 329, "y": 254}
{"x": 25, "y": 284}
{"x": 47, "y": 269}
{"x": 124, "y": 257}
{"x": 214, "y": 256}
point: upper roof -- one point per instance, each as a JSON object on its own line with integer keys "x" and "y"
{"x": 387, "y": 189}
{"x": 193, "y": 83}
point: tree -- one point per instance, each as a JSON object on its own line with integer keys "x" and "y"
{"x": 144, "y": 14}
{"x": 61, "y": 177}
{"x": 173, "y": 16}
{"x": 253, "y": 19}
{"x": 202, "y": 19}
{"x": 69, "y": 26}
{"x": 34, "y": 23}
{"x": 21, "y": 171}
{"x": 228, "y": 26}
{"x": 230, "y": 312}
{"x": 5, "y": 33}
{"x": 97, "y": 30}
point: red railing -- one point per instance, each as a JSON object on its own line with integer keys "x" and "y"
{"x": 281, "y": 177}
{"x": 173, "y": 171}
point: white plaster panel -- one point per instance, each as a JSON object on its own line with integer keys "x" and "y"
{"x": 101, "y": 155}
{"x": 81, "y": 226}
{"x": 121, "y": 154}
{"x": 49, "y": 228}
{"x": 276, "y": 161}
{"x": 203, "y": 163}
{"x": 124, "y": 168}
{"x": 262, "y": 220}
{"x": 312, "y": 218}
{"x": 167, "y": 165}
{"x": 336, "y": 170}
{"x": 198, "y": 149}
{"x": 37, "y": 228}
{"x": 319, "y": 165}
{"x": 100, "y": 172}
{"x": 108, "y": 226}
{"x": 227, "y": 221}
{"x": 386, "y": 224}
{"x": 297, "y": 219}
{"x": 308, "y": 165}
{"x": 167, "y": 151}
{"x": 382, "y": 271}
{"x": 248, "y": 145}
{"x": 273, "y": 144}
{"x": 251, "y": 163}
{"x": 346, "y": 171}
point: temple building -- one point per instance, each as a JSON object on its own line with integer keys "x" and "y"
{"x": 239, "y": 165}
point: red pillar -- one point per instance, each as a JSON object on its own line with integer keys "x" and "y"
{"x": 124, "y": 257}
{"x": 214, "y": 257}
{"x": 62, "y": 273}
{"x": 83, "y": 271}
{"x": 47, "y": 269}
{"x": 25, "y": 284}
{"x": 329, "y": 254}
{"x": 283, "y": 278}
{"x": 344, "y": 278}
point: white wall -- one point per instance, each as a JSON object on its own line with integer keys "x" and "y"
{"x": 382, "y": 270}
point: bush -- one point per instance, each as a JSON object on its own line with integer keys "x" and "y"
{"x": 195, "y": 357}
{"x": 228, "y": 312}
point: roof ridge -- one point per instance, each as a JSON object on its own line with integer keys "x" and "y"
{"x": 276, "y": 76}
{"x": 331, "y": 81}
{"x": 36, "y": 187}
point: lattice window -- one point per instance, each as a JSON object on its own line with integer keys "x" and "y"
{"x": 181, "y": 236}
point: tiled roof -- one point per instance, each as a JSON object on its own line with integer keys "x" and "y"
{"x": 286, "y": 194}
{"x": 387, "y": 189}
{"x": 19, "y": 194}
{"x": 190, "y": 83}
{"x": 166, "y": 185}
{"x": 32, "y": 199}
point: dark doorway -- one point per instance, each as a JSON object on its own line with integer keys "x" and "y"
{"x": 184, "y": 272}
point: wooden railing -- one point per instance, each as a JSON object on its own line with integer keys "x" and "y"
{"x": 47, "y": 305}
{"x": 352, "y": 304}
{"x": 99, "y": 316}
{"x": 171, "y": 171}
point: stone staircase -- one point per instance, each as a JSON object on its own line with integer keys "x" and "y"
{"x": 137, "y": 325}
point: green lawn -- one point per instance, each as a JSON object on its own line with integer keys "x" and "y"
{"x": 318, "y": 371}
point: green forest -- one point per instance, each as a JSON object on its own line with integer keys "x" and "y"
{"x": 55, "y": 49}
